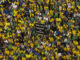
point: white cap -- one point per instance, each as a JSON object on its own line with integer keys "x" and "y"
{"x": 59, "y": 54}
{"x": 6, "y": 41}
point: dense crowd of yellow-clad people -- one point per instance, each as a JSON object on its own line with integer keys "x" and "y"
{"x": 19, "y": 41}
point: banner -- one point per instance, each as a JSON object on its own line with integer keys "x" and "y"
{"x": 40, "y": 28}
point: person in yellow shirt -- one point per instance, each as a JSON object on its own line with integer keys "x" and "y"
{"x": 44, "y": 58}
{"x": 18, "y": 16}
{"x": 51, "y": 39}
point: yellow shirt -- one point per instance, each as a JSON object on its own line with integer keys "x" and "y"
{"x": 1, "y": 56}
{"x": 43, "y": 58}
{"x": 46, "y": 8}
{"x": 78, "y": 34}
{"x": 21, "y": 51}
{"x": 74, "y": 32}
{"x": 15, "y": 13}
{"x": 41, "y": 0}
{"x": 23, "y": 58}
{"x": 72, "y": 26}
{"x": 11, "y": 52}
{"x": 52, "y": 57}
{"x": 58, "y": 43}
{"x": 78, "y": 47}
{"x": 32, "y": 15}
{"x": 72, "y": 7}
{"x": 58, "y": 19}
{"x": 18, "y": 15}
{"x": 60, "y": 28}
{"x": 68, "y": 1}
{"x": 51, "y": 20}
{"x": 47, "y": 1}
{"x": 42, "y": 21}
{"x": 17, "y": 3}
{"x": 73, "y": 3}
{"x": 51, "y": 39}
{"x": 32, "y": 44}
{"x": 28, "y": 55}
{"x": 14, "y": 48}
{"x": 7, "y": 52}
{"x": 75, "y": 42}
{"x": 78, "y": 7}
{"x": 0, "y": 29}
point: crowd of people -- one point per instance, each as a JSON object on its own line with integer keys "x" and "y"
{"x": 19, "y": 41}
